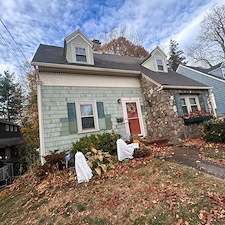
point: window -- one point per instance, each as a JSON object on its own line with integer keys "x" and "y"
{"x": 6, "y": 127}
{"x": 15, "y": 129}
{"x": 189, "y": 103}
{"x": 159, "y": 63}
{"x": 11, "y": 127}
{"x": 80, "y": 54}
{"x": 87, "y": 116}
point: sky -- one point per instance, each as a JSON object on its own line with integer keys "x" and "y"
{"x": 31, "y": 23}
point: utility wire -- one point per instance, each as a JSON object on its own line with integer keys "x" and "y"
{"x": 12, "y": 52}
{"x": 14, "y": 40}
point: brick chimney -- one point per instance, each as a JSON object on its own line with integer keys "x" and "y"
{"x": 97, "y": 45}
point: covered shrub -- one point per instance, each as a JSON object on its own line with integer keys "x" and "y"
{"x": 214, "y": 130}
{"x": 105, "y": 142}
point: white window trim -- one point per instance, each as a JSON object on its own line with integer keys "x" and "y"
{"x": 186, "y": 97}
{"x": 74, "y": 46}
{"x": 163, "y": 64}
{"x": 95, "y": 113}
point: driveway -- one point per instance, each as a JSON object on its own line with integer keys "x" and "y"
{"x": 190, "y": 157}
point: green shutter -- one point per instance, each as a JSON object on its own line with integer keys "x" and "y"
{"x": 101, "y": 116}
{"x": 71, "y": 109}
{"x": 204, "y": 99}
{"x": 178, "y": 104}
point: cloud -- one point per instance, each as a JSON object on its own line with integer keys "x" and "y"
{"x": 49, "y": 22}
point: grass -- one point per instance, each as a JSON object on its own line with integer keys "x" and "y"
{"x": 149, "y": 191}
{"x": 215, "y": 155}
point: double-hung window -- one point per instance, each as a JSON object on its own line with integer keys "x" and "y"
{"x": 159, "y": 63}
{"x": 87, "y": 116}
{"x": 81, "y": 54}
{"x": 189, "y": 103}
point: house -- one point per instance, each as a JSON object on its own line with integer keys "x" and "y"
{"x": 10, "y": 139}
{"x": 82, "y": 91}
{"x": 214, "y": 77}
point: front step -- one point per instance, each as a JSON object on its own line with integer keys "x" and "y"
{"x": 159, "y": 142}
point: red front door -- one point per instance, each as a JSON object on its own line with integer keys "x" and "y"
{"x": 133, "y": 118}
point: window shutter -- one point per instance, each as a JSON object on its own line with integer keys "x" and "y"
{"x": 101, "y": 116}
{"x": 178, "y": 104}
{"x": 204, "y": 99}
{"x": 71, "y": 109}
{"x": 100, "y": 108}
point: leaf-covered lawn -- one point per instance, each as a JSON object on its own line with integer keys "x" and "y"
{"x": 142, "y": 191}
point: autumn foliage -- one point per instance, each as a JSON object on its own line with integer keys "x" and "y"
{"x": 30, "y": 120}
{"x": 124, "y": 47}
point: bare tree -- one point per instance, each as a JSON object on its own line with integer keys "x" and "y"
{"x": 211, "y": 46}
{"x": 135, "y": 38}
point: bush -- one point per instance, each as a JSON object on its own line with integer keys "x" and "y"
{"x": 54, "y": 162}
{"x": 214, "y": 130}
{"x": 105, "y": 142}
{"x": 100, "y": 162}
{"x": 142, "y": 151}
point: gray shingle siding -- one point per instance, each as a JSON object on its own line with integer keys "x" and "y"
{"x": 217, "y": 73}
{"x": 218, "y": 86}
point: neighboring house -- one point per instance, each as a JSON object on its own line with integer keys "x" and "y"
{"x": 214, "y": 77}
{"x": 82, "y": 91}
{"x": 10, "y": 139}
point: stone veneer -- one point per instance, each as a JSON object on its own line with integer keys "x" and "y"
{"x": 161, "y": 116}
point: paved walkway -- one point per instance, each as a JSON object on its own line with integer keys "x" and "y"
{"x": 190, "y": 157}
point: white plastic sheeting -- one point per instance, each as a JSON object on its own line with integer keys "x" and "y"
{"x": 83, "y": 171}
{"x": 125, "y": 151}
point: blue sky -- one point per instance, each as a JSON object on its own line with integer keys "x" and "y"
{"x": 49, "y": 22}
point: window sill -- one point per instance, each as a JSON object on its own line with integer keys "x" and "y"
{"x": 198, "y": 119}
{"x": 88, "y": 131}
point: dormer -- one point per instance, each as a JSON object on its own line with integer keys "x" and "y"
{"x": 78, "y": 48}
{"x": 156, "y": 61}
{"x": 218, "y": 70}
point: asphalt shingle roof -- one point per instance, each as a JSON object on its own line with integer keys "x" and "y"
{"x": 207, "y": 71}
{"x": 53, "y": 54}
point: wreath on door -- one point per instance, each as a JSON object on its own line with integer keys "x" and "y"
{"x": 131, "y": 108}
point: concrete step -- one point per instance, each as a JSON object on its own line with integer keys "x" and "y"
{"x": 159, "y": 142}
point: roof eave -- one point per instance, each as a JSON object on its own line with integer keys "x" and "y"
{"x": 185, "y": 87}
{"x": 87, "y": 69}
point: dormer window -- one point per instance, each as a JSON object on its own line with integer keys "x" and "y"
{"x": 159, "y": 63}
{"x": 81, "y": 55}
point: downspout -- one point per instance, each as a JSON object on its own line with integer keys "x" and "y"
{"x": 212, "y": 101}
{"x": 159, "y": 88}
{"x": 40, "y": 116}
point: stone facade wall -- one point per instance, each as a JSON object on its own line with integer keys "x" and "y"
{"x": 161, "y": 113}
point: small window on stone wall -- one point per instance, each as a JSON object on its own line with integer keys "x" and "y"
{"x": 190, "y": 103}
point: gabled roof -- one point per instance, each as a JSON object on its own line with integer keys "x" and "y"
{"x": 54, "y": 55}
{"x": 203, "y": 71}
{"x": 75, "y": 34}
{"x": 153, "y": 52}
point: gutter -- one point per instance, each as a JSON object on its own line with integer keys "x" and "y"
{"x": 87, "y": 68}
{"x": 185, "y": 87}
